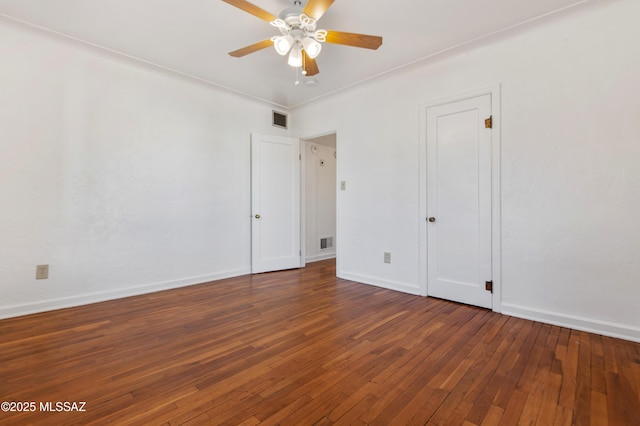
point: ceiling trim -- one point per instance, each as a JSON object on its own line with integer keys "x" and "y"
{"x": 484, "y": 38}
{"x": 136, "y": 59}
{"x": 291, "y": 105}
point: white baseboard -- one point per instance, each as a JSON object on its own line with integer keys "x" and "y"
{"x": 86, "y": 299}
{"x": 604, "y": 328}
{"x": 391, "y": 285}
{"x": 319, "y": 257}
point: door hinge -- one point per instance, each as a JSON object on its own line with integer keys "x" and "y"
{"x": 488, "y": 285}
{"x": 488, "y": 123}
{"x": 300, "y": 157}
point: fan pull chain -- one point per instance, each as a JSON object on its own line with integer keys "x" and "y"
{"x": 304, "y": 63}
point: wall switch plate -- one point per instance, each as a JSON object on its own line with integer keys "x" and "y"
{"x": 42, "y": 272}
{"x": 387, "y": 257}
{"x": 343, "y": 185}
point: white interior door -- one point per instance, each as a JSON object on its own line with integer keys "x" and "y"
{"x": 459, "y": 201}
{"x": 275, "y": 203}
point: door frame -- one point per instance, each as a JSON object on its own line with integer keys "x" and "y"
{"x": 496, "y": 239}
{"x": 303, "y": 197}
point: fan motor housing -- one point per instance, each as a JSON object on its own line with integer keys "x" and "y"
{"x": 291, "y": 15}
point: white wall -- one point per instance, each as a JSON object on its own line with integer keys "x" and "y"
{"x": 126, "y": 179}
{"x": 121, "y": 177}
{"x": 320, "y": 199}
{"x": 570, "y": 166}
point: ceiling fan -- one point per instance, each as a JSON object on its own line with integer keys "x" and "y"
{"x": 300, "y": 37}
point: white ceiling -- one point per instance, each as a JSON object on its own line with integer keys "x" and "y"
{"x": 194, "y": 36}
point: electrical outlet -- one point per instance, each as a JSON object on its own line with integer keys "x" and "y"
{"x": 387, "y": 257}
{"x": 343, "y": 185}
{"x": 42, "y": 272}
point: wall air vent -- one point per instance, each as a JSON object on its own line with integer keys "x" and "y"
{"x": 326, "y": 243}
{"x": 279, "y": 120}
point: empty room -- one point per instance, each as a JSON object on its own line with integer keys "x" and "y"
{"x": 320, "y": 212}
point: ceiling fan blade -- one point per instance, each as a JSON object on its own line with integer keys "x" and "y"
{"x": 252, "y": 9}
{"x": 251, "y": 48}
{"x": 316, "y": 8}
{"x": 355, "y": 40}
{"x": 309, "y": 65}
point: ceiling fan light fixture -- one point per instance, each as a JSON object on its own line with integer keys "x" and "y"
{"x": 283, "y": 44}
{"x": 295, "y": 56}
{"x": 312, "y": 47}
{"x": 300, "y": 38}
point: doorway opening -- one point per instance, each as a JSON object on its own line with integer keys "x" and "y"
{"x": 319, "y": 197}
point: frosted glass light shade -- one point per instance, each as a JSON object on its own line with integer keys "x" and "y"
{"x": 312, "y": 47}
{"x": 295, "y": 57}
{"x": 282, "y": 44}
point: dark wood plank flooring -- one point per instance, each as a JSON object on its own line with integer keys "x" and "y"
{"x": 302, "y": 347}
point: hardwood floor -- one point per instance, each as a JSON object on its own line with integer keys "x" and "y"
{"x": 302, "y": 347}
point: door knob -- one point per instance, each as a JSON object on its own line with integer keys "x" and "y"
{"x": 432, "y": 219}
{"x": 257, "y": 216}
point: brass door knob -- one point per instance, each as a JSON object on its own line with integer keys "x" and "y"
{"x": 257, "y": 216}
{"x": 432, "y": 219}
